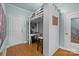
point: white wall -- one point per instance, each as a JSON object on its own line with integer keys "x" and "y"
{"x": 67, "y": 29}
{"x": 46, "y": 31}
{"x": 50, "y": 32}
{"x": 61, "y": 30}
{"x": 53, "y": 31}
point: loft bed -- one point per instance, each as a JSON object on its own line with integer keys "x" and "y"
{"x": 37, "y": 14}
{"x": 36, "y": 17}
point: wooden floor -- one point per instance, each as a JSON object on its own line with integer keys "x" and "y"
{"x": 31, "y": 50}
{"x": 0, "y": 53}
{"x": 61, "y": 52}
{"x": 23, "y": 50}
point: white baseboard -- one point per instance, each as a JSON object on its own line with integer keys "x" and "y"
{"x": 16, "y": 44}
{"x": 71, "y": 49}
{"x": 54, "y": 51}
{"x": 5, "y": 51}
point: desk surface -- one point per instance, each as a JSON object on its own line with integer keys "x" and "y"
{"x": 33, "y": 34}
{"x": 40, "y": 37}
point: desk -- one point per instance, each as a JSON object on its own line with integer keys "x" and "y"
{"x": 40, "y": 37}
{"x": 33, "y": 37}
{"x": 33, "y": 34}
{"x": 40, "y": 44}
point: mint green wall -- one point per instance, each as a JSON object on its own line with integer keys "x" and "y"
{"x": 13, "y": 14}
{"x": 21, "y": 17}
{"x": 40, "y": 27}
{"x": 61, "y": 30}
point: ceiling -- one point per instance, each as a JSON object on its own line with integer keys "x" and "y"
{"x": 63, "y": 7}
{"x": 28, "y": 6}
{"x": 67, "y": 7}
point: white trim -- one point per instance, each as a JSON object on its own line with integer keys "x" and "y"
{"x": 16, "y": 44}
{"x": 29, "y": 32}
{"x": 53, "y": 52}
{"x": 72, "y": 50}
{"x": 37, "y": 27}
{"x": 5, "y": 51}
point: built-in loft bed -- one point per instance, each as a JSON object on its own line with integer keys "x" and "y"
{"x": 36, "y": 17}
{"x": 37, "y": 14}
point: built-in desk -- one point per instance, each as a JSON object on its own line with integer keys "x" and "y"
{"x": 40, "y": 44}
{"x": 33, "y": 34}
{"x": 40, "y": 37}
{"x": 33, "y": 37}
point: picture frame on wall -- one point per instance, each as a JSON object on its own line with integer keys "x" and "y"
{"x": 54, "y": 20}
{"x": 75, "y": 30}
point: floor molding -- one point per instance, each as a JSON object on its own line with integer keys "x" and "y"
{"x": 71, "y": 50}
{"x": 4, "y": 52}
{"x": 53, "y": 52}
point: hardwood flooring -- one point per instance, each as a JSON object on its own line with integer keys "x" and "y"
{"x": 23, "y": 50}
{"x": 61, "y": 52}
{"x": 0, "y": 53}
{"x": 31, "y": 50}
